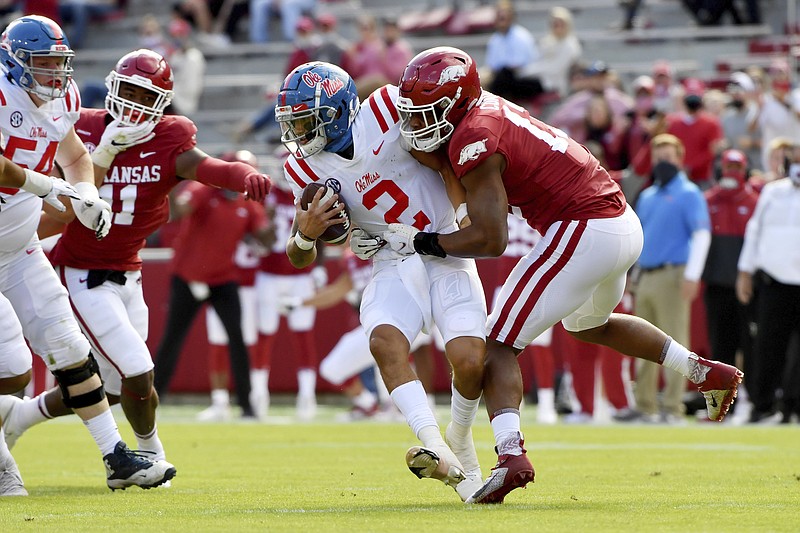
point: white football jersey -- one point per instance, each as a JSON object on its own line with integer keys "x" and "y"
{"x": 30, "y": 137}
{"x": 383, "y": 183}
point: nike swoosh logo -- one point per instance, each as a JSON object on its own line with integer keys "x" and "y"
{"x": 56, "y": 119}
{"x": 145, "y": 154}
{"x": 30, "y": 251}
{"x": 377, "y": 150}
{"x": 82, "y": 280}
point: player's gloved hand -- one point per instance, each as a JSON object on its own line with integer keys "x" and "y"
{"x": 320, "y": 276}
{"x": 257, "y": 186}
{"x": 363, "y": 244}
{"x": 400, "y": 238}
{"x": 287, "y": 304}
{"x": 92, "y": 211}
{"x": 48, "y": 188}
{"x": 118, "y": 138}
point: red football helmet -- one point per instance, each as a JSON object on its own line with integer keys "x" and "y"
{"x": 437, "y": 89}
{"x": 143, "y": 68}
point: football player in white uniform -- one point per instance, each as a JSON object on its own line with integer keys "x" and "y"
{"x": 357, "y": 150}
{"x": 39, "y": 104}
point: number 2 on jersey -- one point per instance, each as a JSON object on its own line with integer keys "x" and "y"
{"x": 392, "y": 215}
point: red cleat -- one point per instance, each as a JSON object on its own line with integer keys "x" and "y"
{"x": 511, "y": 472}
{"x": 717, "y": 382}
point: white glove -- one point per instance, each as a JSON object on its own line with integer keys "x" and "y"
{"x": 287, "y": 304}
{"x": 117, "y": 138}
{"x": 320, "y": 276}
{"x": 401, "y": 238}
{"x": 91, "y": 210}
{"x": 363, "y": 244}
{"x": 48, "y": 188}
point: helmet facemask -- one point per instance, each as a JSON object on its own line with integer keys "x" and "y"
{"x": 303, "y": 128}
{"x": 57, "y": 79}
{"x": 128, "y": 112}
{"x": 430, "y": 128}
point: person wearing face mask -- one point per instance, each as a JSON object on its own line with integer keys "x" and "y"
{"x": 675, "y": 221}
{"x": 699, "y": 131}
{"x": 770, "y": 260}
{"x": 731, "y": 203}
{"x": 738, "y": 116}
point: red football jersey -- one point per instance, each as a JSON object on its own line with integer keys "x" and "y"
{"x": 281, "y": 202}
{"x": 136, "y": 186}
{"x": 548, "y": 177}
{"x": 207, "y": 238}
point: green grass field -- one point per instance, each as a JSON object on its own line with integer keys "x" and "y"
{"x": 352, "y": 477}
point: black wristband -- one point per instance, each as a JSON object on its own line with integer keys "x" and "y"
{"x": 428, "y": 244}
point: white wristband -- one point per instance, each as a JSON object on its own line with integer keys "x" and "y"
{"x": 37, "y": 183}
{"x": 303, "y": 243}
{"x": 103, "y": 156}
{"x": 87, "y": 190}
{"x": 461, "y": 212}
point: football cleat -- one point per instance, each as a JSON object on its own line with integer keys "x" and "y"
{"x": 717, "y": 382}
{"x": 464, "y": 449}
{"x": 126, "y": 468}
{"x": 425, "y": 462}
{"x": 306, "y": 408}
{"x": 8, "y": 408}
{"x": 511, "y": 472}
{"x": 10, "y": 478}
{"x": 215, "y": 413}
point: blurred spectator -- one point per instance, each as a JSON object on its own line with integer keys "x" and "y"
{"x": 737, "y": 117}
{"x": 511, "y": 48}
{"x": 769, "y": 266}
{"x": 397, "y": 52}
{"x": 151, "y": 36}
{"x": 711, "y": 12}
{"x": 777, "y": 111}
{"x": 675, "y": 221}
{"x": 609, "y": 133}
{"x": 365, "y": 60}
{"x": 646, "y": 121}
{"x": 731, "y": 203}
{"x": 213, "y": 222}
{"x": 631, "y": 8}
{"x": 79, "y": 13}
{"x": 700, "y": 133}
{"x": 188, "y": 68}
{"x": 216, "y": 21}
{"x": 305, "y": 45}
{"x": 332, "y": 46}
{"x": 666, "y": 92}
{"x": 290, "y": 12}
{"x": 558, "y": 51}
{"x": 570, "y": 115}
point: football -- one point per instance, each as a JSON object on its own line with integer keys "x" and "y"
{"x": 337, "y": 233}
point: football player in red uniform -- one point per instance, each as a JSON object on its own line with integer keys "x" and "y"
{"x": 507, "y": 160}
{"x": 139, "y": 155}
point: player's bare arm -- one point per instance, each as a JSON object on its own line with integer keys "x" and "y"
{"x": 487, "y": 204}
{"x": 308, "y": 225}
{"x": 438, "y": 161}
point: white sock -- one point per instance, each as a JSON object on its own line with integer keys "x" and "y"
{"x": 677, "y": 357}
{"x": 306, "y": 382}
{"x": 547, "y": 399}
{"x": 220, "y": 398}
{"x": 31, "y": 411}
{"x": 4, "y": 451}
{"x": 366, "y": 400}
{"x": 151, "y": 443}
{"x": 505, "y": 426}
{"x": 463, "y": 410}
{"x": 412, "y": 401}
{"x": 103, "y": 429}
{"x": 259, "y": 377}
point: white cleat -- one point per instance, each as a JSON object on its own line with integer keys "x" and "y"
{"x": 430, "y": 463}
{"x": 470, "y": 485}
{"x": 10, "y": 479}
{"x": 464, "y": 450}
{"x": 306, "y": 408}
{"x": 126, "y": 468}
{"x": 260, "y": 404}
{"x": 215, "y": 413}
{"x": 8, "y": 410}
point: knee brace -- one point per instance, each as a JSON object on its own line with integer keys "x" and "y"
{"x": 76, "y": 376}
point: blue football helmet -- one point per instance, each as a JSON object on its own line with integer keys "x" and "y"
{"x": 36, "y": 36}
{"x": 317, "y": 104}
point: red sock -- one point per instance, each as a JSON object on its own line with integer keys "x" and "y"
{"x": 304, "y": 348}
{"x": 217, "y": 359}
{"x": 543, "y": 366}
{"x": 262, "y": 353}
